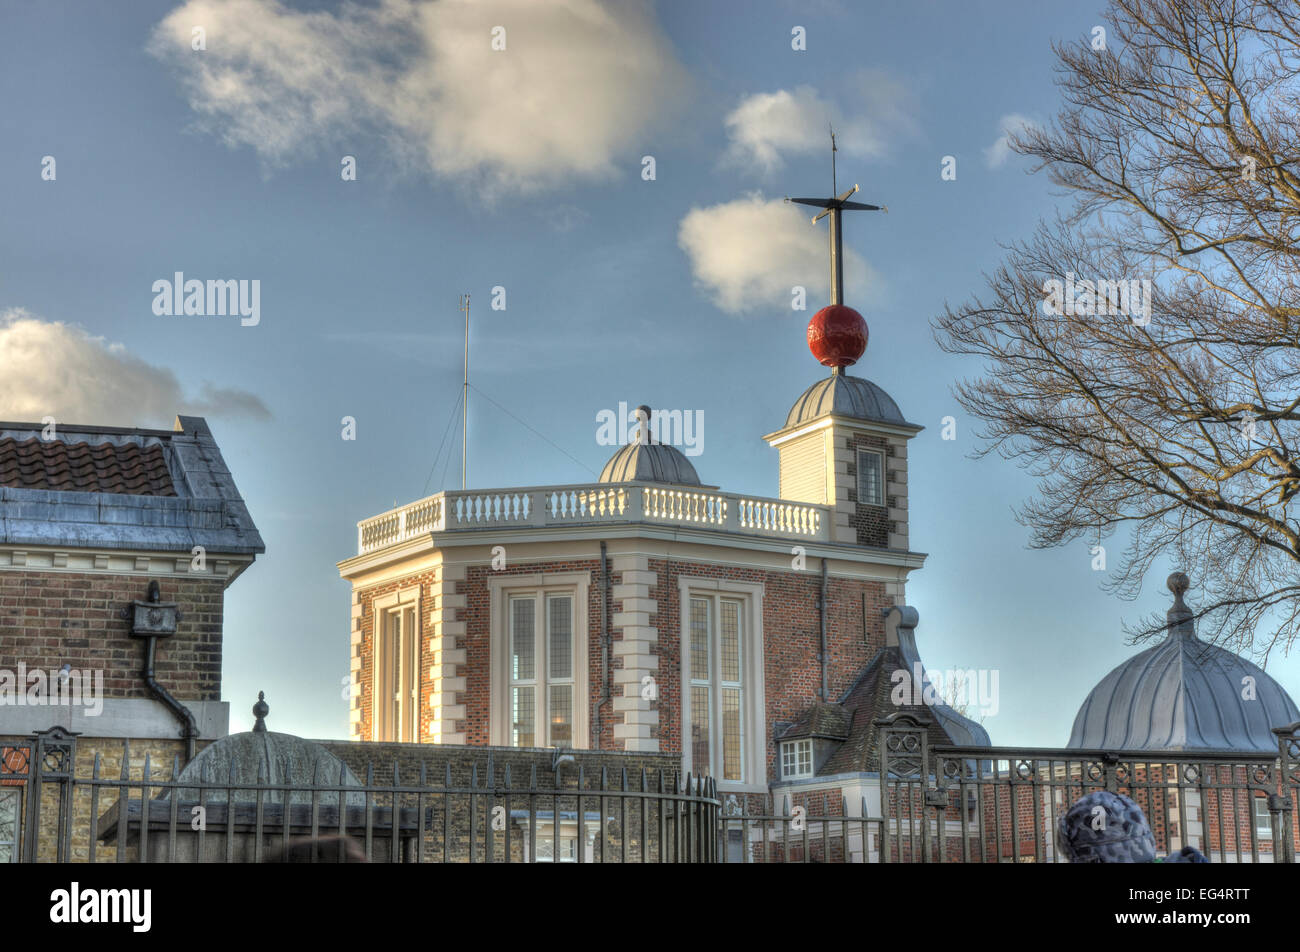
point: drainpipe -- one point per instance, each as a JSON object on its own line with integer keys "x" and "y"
{"x": 604, "y": 646}
{"x": 151, "y": 620}
{"x": 821, "y": 611}
{"x": 189, "y": 727}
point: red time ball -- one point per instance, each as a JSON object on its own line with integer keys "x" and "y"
{"x": 837, "y": 336}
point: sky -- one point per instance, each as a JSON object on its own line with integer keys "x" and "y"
{"x": 617, "y": 170}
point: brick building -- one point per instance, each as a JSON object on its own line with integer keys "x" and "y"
{"x": 91, "y": 519}
{"x": 747, "y": 637}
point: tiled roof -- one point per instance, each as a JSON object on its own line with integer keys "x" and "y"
{"x": 84, "y": 467}
{"x": 868, "y": 699}
{"x": 105, "y": 487}
{"x": 830, "y": 721}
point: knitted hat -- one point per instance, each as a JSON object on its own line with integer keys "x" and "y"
{"x": 1105, "y": 827}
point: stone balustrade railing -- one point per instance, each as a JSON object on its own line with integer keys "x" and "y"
{"x": 601, "y": 504}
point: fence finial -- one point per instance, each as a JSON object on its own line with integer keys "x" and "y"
{"x": 260, "y": 710}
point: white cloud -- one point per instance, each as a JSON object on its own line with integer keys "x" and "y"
{"x": 766, "y": 127}
{"x": 996, "y": 155}
{"x": 575, "y": 90}
{"x": 48, "y": 368}
{"x": 750, "y": 252}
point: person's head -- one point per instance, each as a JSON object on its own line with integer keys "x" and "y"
{"x": 1105, "y": 827}
{"x": 326, "y": 849}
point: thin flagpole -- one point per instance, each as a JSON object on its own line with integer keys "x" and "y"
{"x": 464, "y": 425}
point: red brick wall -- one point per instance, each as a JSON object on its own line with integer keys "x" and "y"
{"x": 791, "y": 640}
{"x": 48, "y": 619}
{"x": 478, "y": 682}
{"x": 790, "y": 624}
{"x": 367, "y": 596}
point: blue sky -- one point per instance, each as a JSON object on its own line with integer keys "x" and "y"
{"x": 225, "y": 163}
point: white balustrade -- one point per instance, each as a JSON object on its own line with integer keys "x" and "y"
{"x": 584, "y": 504}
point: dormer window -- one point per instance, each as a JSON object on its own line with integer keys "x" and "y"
{"x": 796, "y": 759}
{"x": 871, "y": 478}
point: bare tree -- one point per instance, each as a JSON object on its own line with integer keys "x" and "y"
{"x": 1177, "y": 145}
{"x": 959, "y": 689}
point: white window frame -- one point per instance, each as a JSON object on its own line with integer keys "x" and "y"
{"x": 753, "y": 701}
{"x": 1264, "y": 823}
{"x": 880, "y": 456}
{"x": 500, "y": 591}
{"x": 796, "y": 749}
{"x": 404, "y": 724}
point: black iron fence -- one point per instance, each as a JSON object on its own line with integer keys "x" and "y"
{"x": 156, "y": 816}
{"x": 931, "y": 803}
{"x": 981, "y": 804}
{"x": 926, "y": 803}
{"x": 820, "y": 829}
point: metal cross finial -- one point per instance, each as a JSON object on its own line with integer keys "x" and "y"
{"x": 833, "y": 207}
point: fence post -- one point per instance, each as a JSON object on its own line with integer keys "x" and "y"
{"x": 1288, "y": 784}
{"x": 904, "y": 750}
{"x": 53, "y": 756}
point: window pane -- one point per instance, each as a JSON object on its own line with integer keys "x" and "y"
{"x": 870, "y": 479}
{"x": 523, "y": 713}
{"x": 700, "y": 731}
{"x": 730, "y": 734}
{"x": 731, "y": 642}
{"x": 523, "y": 645}
{"x": 561, "y": 635}
{"x": 562, "y": 714}
{"x": 395, "y": 650}
{"x": 699, "y": 639}
{"x": 408, "y": 685}
{"x": 8, "y": 824}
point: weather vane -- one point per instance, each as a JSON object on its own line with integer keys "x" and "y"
{"x": 833, "y": 207}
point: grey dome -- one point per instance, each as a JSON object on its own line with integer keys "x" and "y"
{"x": 260, "y": 757}
{"x": 648, "y": 461}
{"x": 280, "y": 759}
{"x": 1183, "y": 694}
{"x": 845, "y": 396}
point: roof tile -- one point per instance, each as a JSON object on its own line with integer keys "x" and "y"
{"x": 125, "y": 468}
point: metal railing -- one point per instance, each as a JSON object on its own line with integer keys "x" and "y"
{"x": 599, "y": 503}
{"x": 991, "y": 804}
{"x": 653, "y": 817}
{"x": 928, "y": 803}
{"x": 811, "y": 832}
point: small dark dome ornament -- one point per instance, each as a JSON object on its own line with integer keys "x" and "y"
{"x": 260, "y": 710}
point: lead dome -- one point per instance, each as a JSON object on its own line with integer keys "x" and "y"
{"x": 1184, "y": 694}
